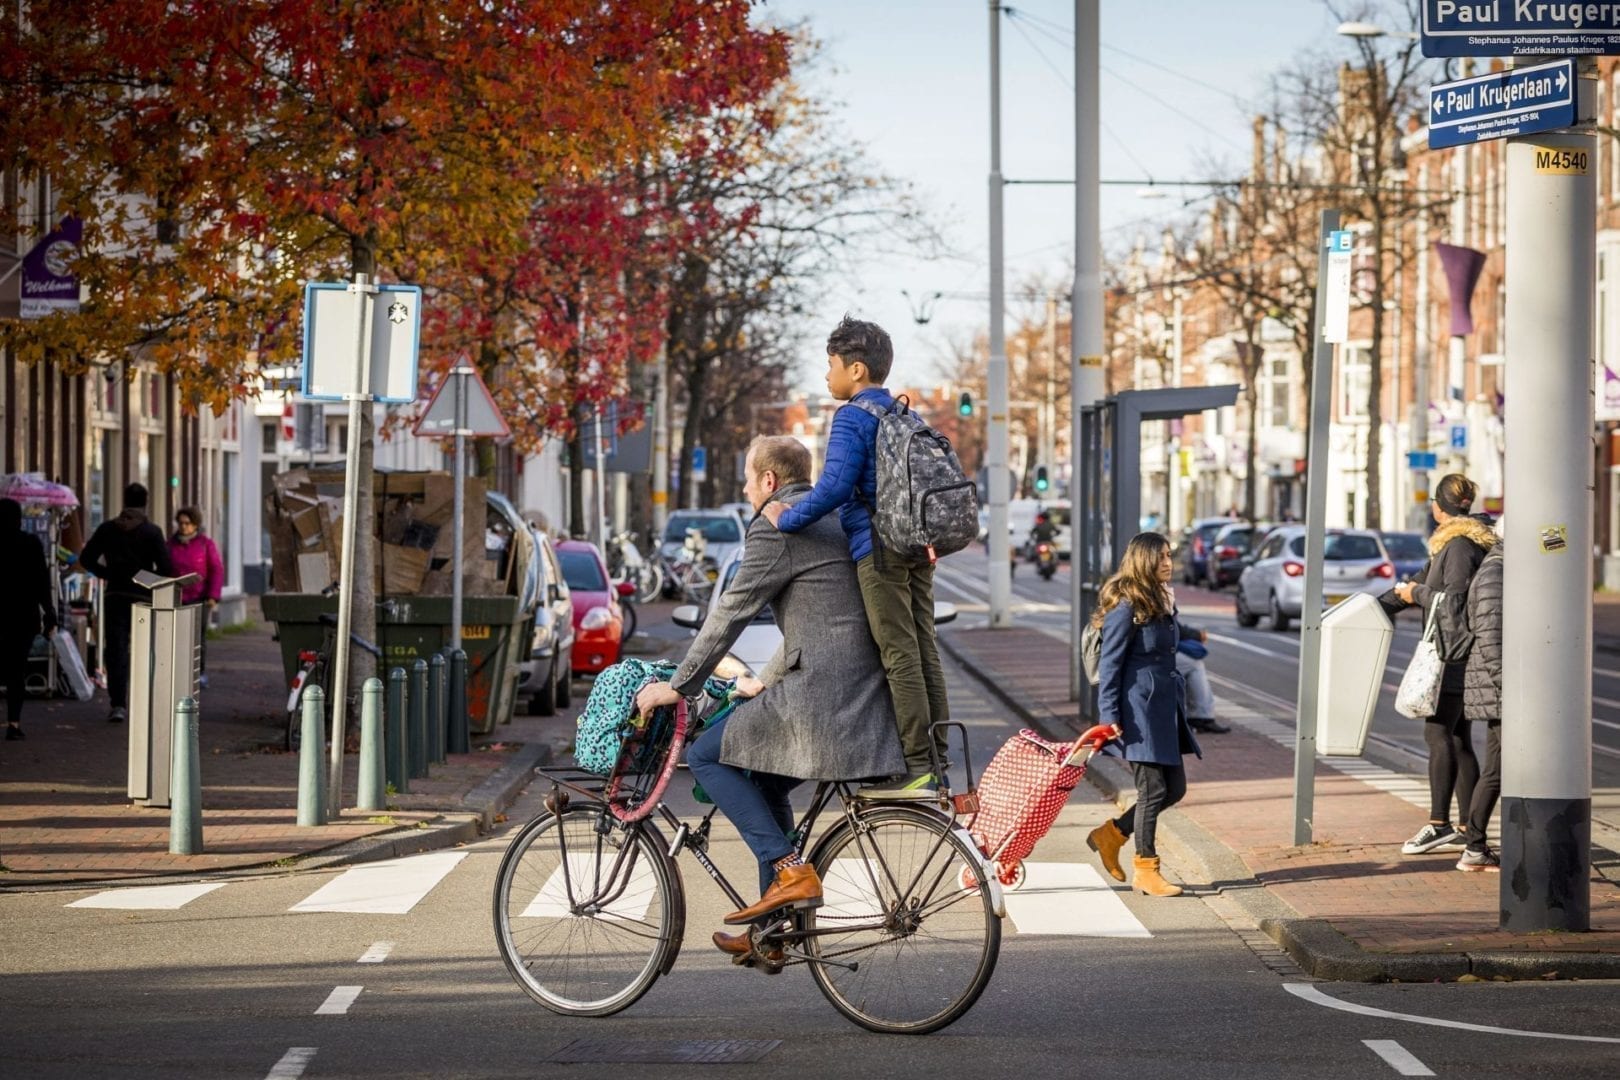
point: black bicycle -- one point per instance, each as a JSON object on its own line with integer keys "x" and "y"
{"x": 590, "y": 906}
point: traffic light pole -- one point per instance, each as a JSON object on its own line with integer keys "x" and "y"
{"x": 995, "y": 457}
{"x": 1547, "y": 580}
{"x": 1086, "y": 330}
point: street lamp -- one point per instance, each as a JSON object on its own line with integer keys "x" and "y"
{"x": 1373, "y": 30}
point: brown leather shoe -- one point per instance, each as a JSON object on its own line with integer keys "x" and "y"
{"x": 795, "y": 887}
{"x": 1147, "y": 878}
{"x": 741, "y": 949}
{"x": 1106, "y": 840}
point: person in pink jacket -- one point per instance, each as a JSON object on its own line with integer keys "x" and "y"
{"x": 194, "y": 553}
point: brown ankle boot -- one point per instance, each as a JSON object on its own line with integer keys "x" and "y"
{"x": 795, "y": 887}
{"x": 1148, "y": 879}
{"x": 1106, "y": 840}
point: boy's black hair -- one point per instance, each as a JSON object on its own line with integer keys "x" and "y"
{"x": 867, "y": 342}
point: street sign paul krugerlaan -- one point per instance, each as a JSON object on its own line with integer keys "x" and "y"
{"x": 1503, "y": 103}
{"x": 1520, "y": 28}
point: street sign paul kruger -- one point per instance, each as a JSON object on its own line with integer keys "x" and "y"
{"x": 1520, "y": 28}
{"x": 330, "y": 332}
{"x": 1503, "y": 103}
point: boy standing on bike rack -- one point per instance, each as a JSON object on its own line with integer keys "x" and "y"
{"x": 824, "y": 712}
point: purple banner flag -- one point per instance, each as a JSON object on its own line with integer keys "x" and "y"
{"x": 1462, "y": 266}
{"x": 47, "y": 286}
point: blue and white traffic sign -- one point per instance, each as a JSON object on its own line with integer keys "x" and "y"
{"x": 1420, "y": 459}
{"x": 1459, "y": 436}
{"x": 1502, "y": 103}
{"x": 1520, "y": 28}
{"x": 700, "y": 463}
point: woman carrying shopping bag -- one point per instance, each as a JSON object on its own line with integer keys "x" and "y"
{"x": 1140, "y": 690}
{"x": 1456, "y": 549}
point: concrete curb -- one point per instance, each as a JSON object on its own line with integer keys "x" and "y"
{"x": 1319, "y": 949}
{"x": 449, "y": 829}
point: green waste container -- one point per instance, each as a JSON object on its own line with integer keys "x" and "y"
{"x": 493, "y": 631}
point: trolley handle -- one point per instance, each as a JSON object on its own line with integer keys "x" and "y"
{"x": 1092, "y": 740}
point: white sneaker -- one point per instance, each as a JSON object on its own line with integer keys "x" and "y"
{"x": 1434, "y": 838}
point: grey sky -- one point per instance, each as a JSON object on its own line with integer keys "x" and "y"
{"x": 912, "y": 78}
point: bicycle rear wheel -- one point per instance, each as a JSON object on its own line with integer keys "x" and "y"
{"x": 586, "y": 912}
{"x": 923, "y": 935}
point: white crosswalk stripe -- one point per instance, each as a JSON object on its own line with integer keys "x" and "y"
{"x": 148, "y": 897}
{"x": 384, "y": 888}
{"x": 1070, "y": 899}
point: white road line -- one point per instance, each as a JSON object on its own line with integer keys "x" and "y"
{"x": 377, "y": 953}
{"x": 292, "y": 1064}
{"x": 1070, "y": 899}
{"x": 1308, "y": 992}
{"x": 631, "y": 904}
{"x": 385, "y": 888}
{"x": 149, "y": 897}
{"x": 1399, "y": 1057}
{"x": 338, "y": 1001}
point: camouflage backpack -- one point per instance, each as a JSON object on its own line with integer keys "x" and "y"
{"x": 926, "y": 505}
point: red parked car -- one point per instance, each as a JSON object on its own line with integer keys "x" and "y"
{"x": 598, "y": 621}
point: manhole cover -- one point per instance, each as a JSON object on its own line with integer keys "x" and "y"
{"x": 664, "y": 1052}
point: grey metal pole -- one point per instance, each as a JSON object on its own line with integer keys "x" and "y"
{"x": 371, "y": 793}
{"x": 1547, "y": 587}
{"x": 1086, "y": 308}
{"x": 600, "y": 485}
{"x": 311, "y": 781}
{"x": 360, "y": 399}
{"x": 1049, "y": 406}
{"x": 435, "y": 710}
{"x": 995, "y": 452}
{"x": 185, "y": 782}
{"x": 457, "y": 569}
{"x": 457, "y": 740}
{"x": 418, "y": 712}
{"x": 1310, "y": 622}
{"x": 1418, "y": 421}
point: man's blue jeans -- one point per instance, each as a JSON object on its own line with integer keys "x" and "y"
{"x": 756, "y": 803}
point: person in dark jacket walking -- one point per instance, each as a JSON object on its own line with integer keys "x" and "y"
{"x": 29, "y": 610}
{"x": 1456, "y": 549}
{"x": 118, "y": 550}
{"x": 1140, "y": 690}
{"x": 1482, "y": 700}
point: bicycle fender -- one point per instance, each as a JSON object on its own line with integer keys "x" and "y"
{"x": 987, "y": 872}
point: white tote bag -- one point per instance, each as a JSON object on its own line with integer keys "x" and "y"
{"x": 1419, "y": 695}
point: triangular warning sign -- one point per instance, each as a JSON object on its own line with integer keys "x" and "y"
{"x": 483, "y": 418}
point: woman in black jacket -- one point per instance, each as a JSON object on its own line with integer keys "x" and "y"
{"x": 1456, "y": 549}
{"x": 1482, "y": 700}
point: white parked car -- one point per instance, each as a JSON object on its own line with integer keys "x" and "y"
{"x": 1273, "y": 582}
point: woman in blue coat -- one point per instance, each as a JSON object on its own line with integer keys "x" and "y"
{"x": 1140, "y": 690}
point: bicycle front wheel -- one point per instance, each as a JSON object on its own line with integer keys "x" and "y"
{"x": 922, "y": 936}
{"x": 585, "y": 911}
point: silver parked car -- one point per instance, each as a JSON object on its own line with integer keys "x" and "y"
{"x": 543, "y": 676}
{"x": 1273, "y": 582}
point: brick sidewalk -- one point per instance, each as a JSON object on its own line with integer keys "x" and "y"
{"x": 1353, "y": 876}
{"x": 65, "y": 817}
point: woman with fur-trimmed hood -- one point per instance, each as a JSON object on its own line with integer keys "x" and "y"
{"x": 1456, "y": 549}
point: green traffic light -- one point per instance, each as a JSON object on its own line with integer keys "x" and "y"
{"x": 964, "y": 407}
{"x": 1041, "y": 481}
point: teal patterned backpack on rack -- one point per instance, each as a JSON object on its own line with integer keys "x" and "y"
{"x": 600, "y": 732}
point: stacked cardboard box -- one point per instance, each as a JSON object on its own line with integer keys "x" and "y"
{"x": 413, "y": 535}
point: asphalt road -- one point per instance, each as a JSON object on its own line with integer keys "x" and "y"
{"x": 1092, "y": 981}
{"x": 1260, "y": 668}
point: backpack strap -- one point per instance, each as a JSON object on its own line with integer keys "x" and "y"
{"x": 870, "y": 407}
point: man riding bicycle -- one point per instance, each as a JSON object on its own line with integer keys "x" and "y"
{"x": 824, "y": 711}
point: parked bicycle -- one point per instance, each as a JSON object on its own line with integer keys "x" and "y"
{"x": 590, "y": 906}
{"x": 314, "y": 666}
{"x": 690, "y": 574}
{"x": 626, "y": 563}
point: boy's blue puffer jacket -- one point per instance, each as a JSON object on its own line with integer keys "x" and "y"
{"x": 848, "y": 481}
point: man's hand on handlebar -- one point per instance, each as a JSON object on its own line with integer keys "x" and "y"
{"x": 655, "y": 696}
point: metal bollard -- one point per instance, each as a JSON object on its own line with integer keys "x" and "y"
{"x": 436, "y": 709}
{"x": 372, "y": 795}
{"x": 185, "y": 783}
{"x": 457, "y": 738}
{"x": 312, "y": 759}
{"x": 396, "y": 748}
{"x": 421, "y": 746}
